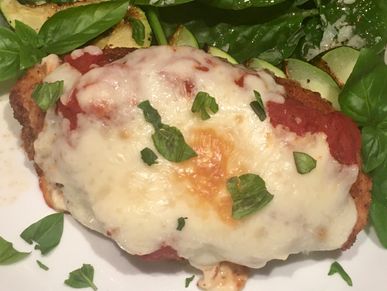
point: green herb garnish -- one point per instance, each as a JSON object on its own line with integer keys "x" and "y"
{"x": 82, "y": 277}
{"x": 189, "y": 280}
{"x": 203, "y": 103}
{"x": 148, "y": 156}
{"x": 304, "y": 162}
{"x": 181, "y": 223}
{"x": 168, "y": 140}
{"x": 337, "y": 268}
{"x": 8, "y": 254}
{"x": 42, "y": 266}
{"x": 46, "y": 232}
{"x": 47, "y": 94}
{"x": 248, "y": 193}
{"x": 257, "y": 106}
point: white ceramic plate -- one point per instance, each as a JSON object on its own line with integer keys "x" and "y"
{"x": 21, "y": 204}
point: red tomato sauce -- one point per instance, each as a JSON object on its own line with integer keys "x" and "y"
{"x": 343, "y": 136}
{"x": 164, "y": 253}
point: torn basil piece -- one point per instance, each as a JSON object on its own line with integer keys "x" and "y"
{"x": 46, "y": 232}
{"x": 181, "y": 223}
{"x": 168, "y": 140}
{"x": 304, "y": 162}
{"x": 42, "y": 266}
{"x": 47, "y": 94}
{"x": 337, "y": 268}
{"x": 248, "y": 193}
{"x": 8, "y": 254}
{"x": 203, "y": 104}
{"x": 148, "y": 156}
{"x": 257, "y": 106}
{"x": 82, "y": 277}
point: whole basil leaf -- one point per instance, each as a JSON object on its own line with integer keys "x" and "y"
{"x": 160, "y": 3}
{"x": 70, "y": 28}
{"x": 8, "y": 254}
{"x": 9, "y": 54}
{"x": 82, "y": 277}
{"x": 46, "y": 232}
{"x": 374, "y": 147}
{"x": 363, "y": 96}
{"x": 272, "y": 41}
{"x": 241, "y": 4}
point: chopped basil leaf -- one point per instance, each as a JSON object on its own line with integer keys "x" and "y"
{"x": 46, "y": 94}
{"x": 82, "y": 277}
{"x": 8, "y": 254}
{"x": 42, "y": 266}
{"x": 168, "y": 140}
{"x": 203, "y": 103}
{"x": 304, "y": 162}
{"x": 189, "y": 280}
{"x": 46, "y": 232}
{"x": 181, "y": 223}
{"x": 148, "y": 156}
{"x": 258, "y": 107}
{"x": 170, "y": 143}
{"x": 138, "y": 30}
{"x": 151, "y": 115}
{"x": 337, "y": 268}
{"x": 248, "y": 193}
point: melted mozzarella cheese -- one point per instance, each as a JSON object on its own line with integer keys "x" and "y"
{"x": 108, "y": 188}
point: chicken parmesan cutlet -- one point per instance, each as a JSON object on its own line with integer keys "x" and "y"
{"x": 176, "y": 154}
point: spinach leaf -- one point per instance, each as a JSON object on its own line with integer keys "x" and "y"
{"x": 9, "y": 54}
{"x": 70, "y": 28}
{"x": 46, "y": 232}
{"x": 367, "y": 18}
{"x": 363, "y": 96}
{"x": 272, "y": 41}
{"x": 241, "y": 4}
{"x": 8, "y": 254}
{"x": 82, "y": 277}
